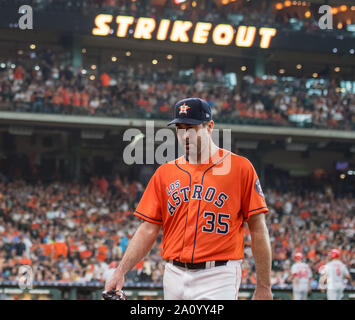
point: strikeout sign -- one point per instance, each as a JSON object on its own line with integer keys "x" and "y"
{"x": 183, "y": 31}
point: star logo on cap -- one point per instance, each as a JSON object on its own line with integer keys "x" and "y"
{"x": 183, "y": 108}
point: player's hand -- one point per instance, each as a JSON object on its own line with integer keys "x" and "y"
{"x": 116, "y": 282}
{"x": 262, "y": 294}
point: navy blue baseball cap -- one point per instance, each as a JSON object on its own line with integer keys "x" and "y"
{"x": 191, "y": 111}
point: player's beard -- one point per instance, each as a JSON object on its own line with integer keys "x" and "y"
{"x": 195, "y": 151}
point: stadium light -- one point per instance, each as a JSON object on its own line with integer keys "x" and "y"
{"x": 169, "y": 56}
{"x": 282, "y": 71}
{"x": 114, "y": 59}
{"x": 337, "y": 69}
{"x": 343, "y": 8}
{"x": 342, "y": 176}
{"x": 299, "y": 67}
{"x": 128, "y": 53}
{"x": 352, "y": 51}
{"x": 279, "y": 6}
{"x": 154, "y": 61}
{"x": 315, "y": 75}
{"x": 179, "y": 1}
{"x": 32, "y": 46}
{"x": 93, "y": 67}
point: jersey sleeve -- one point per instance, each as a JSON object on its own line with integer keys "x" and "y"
{"x": 149, "y": 207}
{"x": 253, "y": 200}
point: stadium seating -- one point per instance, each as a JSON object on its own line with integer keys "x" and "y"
{"x": 143, "y": 92}
{"x": 58, "y": 229}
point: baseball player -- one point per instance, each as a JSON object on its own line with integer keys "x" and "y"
{"x": 201, "y": 201}
{"x": 302, "y": 277}
{"x": 333, "y": 274}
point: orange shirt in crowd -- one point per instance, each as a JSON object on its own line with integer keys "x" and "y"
{"x": 105, "y": 79}
{"x": 244, "y": 273}
{"x": 103, "y": 184}
{"x": 164, "y": 108}
{"x": 60, "y": 248}
{"x": 73, "y": 248}
{"x": 85, "y": 254}
{"x": 311, "y": 254}
{"x": 57, "y": 99}
{"x": 19, "y": 73}
{"x": 66, "y": 97}
{"x": 305, "y": 214}
{"x": 84, "y": 99}
{"x": 32, "y": 202}
{"x": 48, "y": 248}
{"x": 76, "y": 99}
{"x": 143, "y": 102}
{"x": 140, "y": 265}
{"x": 102, "y": 253}
{"x": 25, "y": 261}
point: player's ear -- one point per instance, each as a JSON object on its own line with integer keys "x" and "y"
{"x": 210, "y": 125}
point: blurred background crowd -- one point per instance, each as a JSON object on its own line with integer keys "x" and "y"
{"x": 78, "y": 232}
{"x": 45, "y": 82}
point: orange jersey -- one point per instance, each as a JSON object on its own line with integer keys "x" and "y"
{"x": 202, "y": 213}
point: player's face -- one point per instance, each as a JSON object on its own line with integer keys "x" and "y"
{"x": 194, "y": 139}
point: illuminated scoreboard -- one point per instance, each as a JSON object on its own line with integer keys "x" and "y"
{"x": 183, "y": 31}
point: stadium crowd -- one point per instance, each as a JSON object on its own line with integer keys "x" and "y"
{"x": 45, "y": 82}
{"x": 77, "y": 232}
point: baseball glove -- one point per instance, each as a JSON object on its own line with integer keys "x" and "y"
{"x": 112, "y": 295}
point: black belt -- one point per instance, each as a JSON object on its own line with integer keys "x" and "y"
{"x": 199, "y": 265}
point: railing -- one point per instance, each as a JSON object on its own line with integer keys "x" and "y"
{"x": 134, "y": 291}
{"x": 140, "y": 113}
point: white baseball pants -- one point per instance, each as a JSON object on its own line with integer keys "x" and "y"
{"x": 216, "y": 283}
{"x": 300, "y": 294}
{"x": 335, "y": 294}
